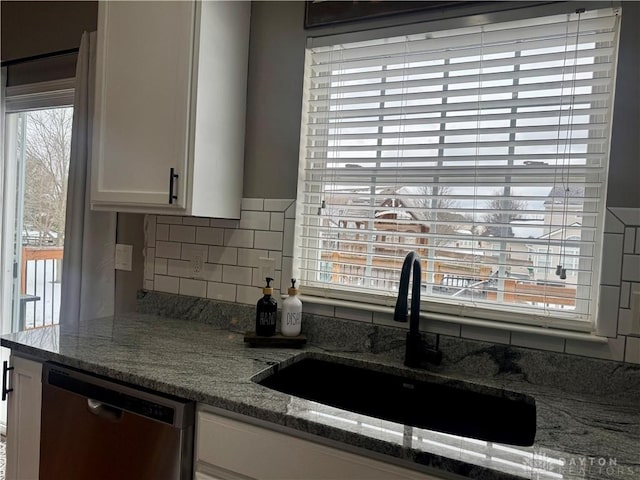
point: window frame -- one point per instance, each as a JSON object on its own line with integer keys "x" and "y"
{"x": 368, "y": 300}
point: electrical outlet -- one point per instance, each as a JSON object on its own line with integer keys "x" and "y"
{"x": 197, "y": 256}
{"x": 123, "y": 257}
{"x": 266, "y": 268}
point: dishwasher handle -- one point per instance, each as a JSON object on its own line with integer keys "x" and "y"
{"x": 104, "y": 411}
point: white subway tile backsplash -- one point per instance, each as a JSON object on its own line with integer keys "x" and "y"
{"x": 611, "y": 256}
{"x": 150, "y": 230}
{"x": 632, "y": 354}
{"x": 290, "y": 212}
{"x": 196, "y": 221}
{"x": 169, "y": 219}
{"x": 612, "y": 224}
{"x": 209, "y": 235}
{"x": 182, "y": 233}
{"x": 160, "y": 267}
{"x": 539, "y": 342}
{"x": 149, "y": 263}
{"x": 625, "y": 293}
{"x": 249, "y": 257}
{"x": 624, "y": 321}
{"x": 628, "y": 216}
{"x": 289, "y": 231}
{"x": 266, "y": 229}
{"x": 354, "y": 314}
{"x": 238, "y": 238}
{"x": 212, "y": 272}
{"x": 436, "y": 326}
{"x": 193, "y": 288}
{"x": 384, "y": 318}
{"x": 162, "y": 232}
{"x": 277, "y": 204}
{"x": 485, "y": 334}
{"x": 252, "y": 204}
{"x": 277, "y": 222}
{"x": 257, "y": 281}
{"x": 168, "y": 249}
{"x": 255, "y": 220}
{"x": 607, "y": 319}
{"x": 223, "y": 255}
{"x": 221, "y": 291}
{"x": 268, "y": 240}
{"x": 179, "y": 268}
{"x": 287, "y": 268}
{"x": 612, "y": 350}
{"x": 631, "y": 268}
{"x": 277, "y": 258}
{"x": 629, "y": 240}
{"x": 166, "y": 284}
{"x": 318, "y": 309}
{"x": 189, "y": 250}
{"x": 248, "y": 295}
{"x": 224, "y": 223}
{"x": 237, "y": 275}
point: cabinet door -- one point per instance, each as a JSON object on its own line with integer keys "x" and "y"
{"x": 142, "y": 109}
{"x": 257, "y": 453}
{"x": 23, "y": 419}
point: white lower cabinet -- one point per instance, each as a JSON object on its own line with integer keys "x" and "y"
{"x": 228, "y": 449}
{"x": 23, "y": 419}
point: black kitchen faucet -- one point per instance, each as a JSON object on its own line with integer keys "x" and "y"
{"x": 417, "y": 352}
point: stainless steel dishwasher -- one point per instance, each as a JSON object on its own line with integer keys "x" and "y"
{"x": 94, "y": 428}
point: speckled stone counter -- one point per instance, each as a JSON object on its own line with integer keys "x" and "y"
{"x": 591, "y": 429}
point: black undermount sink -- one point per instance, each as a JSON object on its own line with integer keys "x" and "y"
{"x": 422, "y": 401}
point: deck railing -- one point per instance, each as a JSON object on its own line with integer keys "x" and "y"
{"x": 40, "y": 275}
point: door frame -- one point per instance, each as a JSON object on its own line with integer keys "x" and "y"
{"x": 15, "y": 99}
{"x": 20, "y": 98}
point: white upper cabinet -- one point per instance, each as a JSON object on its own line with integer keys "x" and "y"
{"x": 168, "y": 132}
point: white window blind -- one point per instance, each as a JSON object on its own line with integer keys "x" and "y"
{"x": 484, "y": 149}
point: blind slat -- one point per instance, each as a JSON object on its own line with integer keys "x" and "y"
{"x": 538, "y": 61}
{"x": 528, "y": 103}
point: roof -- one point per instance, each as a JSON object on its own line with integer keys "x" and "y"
{"x": 558, "y": 194}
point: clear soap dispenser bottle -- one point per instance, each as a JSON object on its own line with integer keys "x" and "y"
{"x": 292, "y": 312}
{"x": 266, "y": 312}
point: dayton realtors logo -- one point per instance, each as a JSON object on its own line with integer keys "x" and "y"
{"x": 582, "y": 466}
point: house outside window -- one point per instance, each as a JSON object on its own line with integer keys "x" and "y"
{"x": 484, "y": 149}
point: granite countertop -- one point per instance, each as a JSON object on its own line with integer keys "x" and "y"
{"x": 585, "y": 432}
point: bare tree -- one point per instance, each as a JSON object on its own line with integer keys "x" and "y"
{"x": 437, "y": 209}
{"x": 47, "y": 150}
{"x": 501, "y": 212}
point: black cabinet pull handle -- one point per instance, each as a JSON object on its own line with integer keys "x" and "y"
{"x": 172, "y": 177}
{"x": 5, "y": 370}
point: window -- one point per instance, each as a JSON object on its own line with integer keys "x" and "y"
{"x": 484, "y": 149}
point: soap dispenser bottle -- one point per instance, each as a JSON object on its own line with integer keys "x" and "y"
{"x": 292, "y": 312}
{"x": 266, "y": 312}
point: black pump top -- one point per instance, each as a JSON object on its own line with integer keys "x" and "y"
{"x": 268, "y": 290}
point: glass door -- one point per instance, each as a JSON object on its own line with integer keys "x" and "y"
{"x": 36, "y": 144}
{"x": 42, "y": 151}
